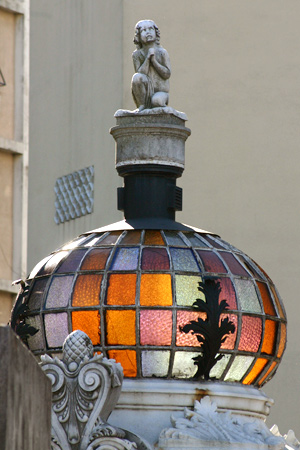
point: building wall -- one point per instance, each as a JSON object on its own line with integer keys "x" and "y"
{"x": 236, "y": 73}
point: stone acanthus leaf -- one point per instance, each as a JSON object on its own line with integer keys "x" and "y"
{"x": 291, "y": 442}
{"x": 85, "y": 390}
{"x": 205, "y": 423}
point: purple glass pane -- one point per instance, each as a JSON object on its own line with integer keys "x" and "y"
{"x": 213, "y": 242}
{"x": 227, "y": 292}
{"x": 72, "y": 262}
{"x": 211, "y": 262}
{"x": 53, "y": 262}
{"x": 125, "y": 259}
{"x": 234, "y": 266}
{"x": 36, "y": 295}
{"x": 59, "y": 292}
{"x": 184, "y": 260}
{"x": 155, "y": 259}
{"x": 56, "y": 327}
{"x": 111, "y": 238}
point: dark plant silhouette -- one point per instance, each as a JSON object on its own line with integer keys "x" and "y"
{"x": 17, "y": 321}
{"x": 212, "y": 331}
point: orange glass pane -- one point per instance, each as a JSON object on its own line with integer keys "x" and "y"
{"x": 132, "y": 237}
{"x": 121, "y": 289}
{"x": 278, "y": 304}
{"x": 187, "y": 339}
{"x": 87, "y": 290}
{"x": 127, "y": 358}
{"x": 89, "y": 323}
{"x": 153, "y": 238}
{"x": 282, "y": 340}
{"x": 120, "y": 327}
{"x": 156, "y": 290}
{"x": 269, "y": 337}
{"x": 266, "y": 298}
{"x": 256, "y": 370}
{"x": 273, "y": 365}
{"x": 95, "y": 259}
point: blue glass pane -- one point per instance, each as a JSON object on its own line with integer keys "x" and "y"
{"x": 125, "y": 259}
{"x": 184, "y": 260}
{"x": 59, "y": 292}
{"x": 174, "y": 239}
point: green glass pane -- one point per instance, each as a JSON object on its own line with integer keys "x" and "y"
{"x": 155, "y": 363}
{"x": 219, "y": 367}
{"x": 187, "y": 289}
{"x": 184, "y": 366}
{"x": 247, "y": 296}
{"x": 239, "y": 367}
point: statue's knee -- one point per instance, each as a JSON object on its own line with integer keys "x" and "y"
{"x": 160, "y": 99}
{"x": 138, "y": 79}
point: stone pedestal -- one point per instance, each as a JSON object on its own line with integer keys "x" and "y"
{"x": 25, "y": 397}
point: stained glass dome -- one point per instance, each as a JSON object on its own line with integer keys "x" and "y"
{"x": 134, "y": 291}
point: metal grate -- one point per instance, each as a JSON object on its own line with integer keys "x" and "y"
{"x": 74, "y": 195}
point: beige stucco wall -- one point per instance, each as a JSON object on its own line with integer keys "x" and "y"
{"x": 236, "y": 73}
{"x": 7, "y": 66}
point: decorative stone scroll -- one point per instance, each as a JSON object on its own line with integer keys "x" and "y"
{"x": 206, "y": 428}
{"x": 85, "y": 390}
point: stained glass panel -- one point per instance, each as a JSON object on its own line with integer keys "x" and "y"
{"x": 155, "y": 363}
{"x": 183, "y": 318}
{"x": 38, "y": 267}
{"x": 153, "y": 238}
{"x": 195, "y": 240}
{"x": 183, "y": 366}
{"x": 266, "y": 298}
{"x": 273, "y": 365}
{"x": 247, "y": 296}
{"x": 132, "y": 237}
{"x": 187, "y": 289}
{"x": 121, "y": 289}
{"x": 218, "y": 369}
{"x": 87, "y": 290}
{"x": 36, "y": 341}
{"x": 156, "y": 290}
{"x": 120, "y": 327}
{"x": 250, "y": 334}
{"x": 155, "y": 327}
{"x": 56, "y": 327}
{"x": 72, "y": 262}
{"x": 174, "y": 239}
{"x": 111, "y": 238}
{"x": 227, "y": 292}
{"x": 52, "y": 263}
{"x": 95, "y": 259}
{"x": 36, "y": 295}
{"x": 154, "y": 258}
{"x": 269, "y": 337}
{"x": 89, "y": 323}
{"x": 125, "y": 259}
{"x": 59, "y": 292}
{"x": 234, "y": 266}
{"x": 127, "y": 358}
{"x": 238, "y": 368}
{"x": 230, "y": 339}
{"x": 278, "y": 304}
{"x": 211, "y": 262}
{"x": 282, "y": 340}
{"x": 213, "y": 242}
{"x": 183, "y": 259}
{"x": 258, "y": 367}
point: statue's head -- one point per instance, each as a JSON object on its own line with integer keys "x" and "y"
{"x": 139, "y": 26}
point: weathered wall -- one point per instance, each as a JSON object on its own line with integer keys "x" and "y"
{"x": 23, "y": 386}
{"x": 76, "y": 86}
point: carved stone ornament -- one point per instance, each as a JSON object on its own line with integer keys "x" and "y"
{"x": 206, "y": 428}
{"x": 85, "y": 390}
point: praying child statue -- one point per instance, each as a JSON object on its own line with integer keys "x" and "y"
{"x": 150, "y": 83}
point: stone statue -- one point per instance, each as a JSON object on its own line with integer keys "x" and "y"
{"x": 150, "y": 83}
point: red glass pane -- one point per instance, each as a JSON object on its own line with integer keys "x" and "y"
{"x": 121, "y": 289}
{"x": 227, "y": 292}
{"x": 95, "y": 259}
{"x": 211, "y": 262}
{"x": 230, "y": 338}
{"x": 187, "y": 339}
{"x": 155, "y": 327}
{"x": 250, "y": 334}
{"x": 87, "y": 290}
{"x": 89, "y": 323}
{"x": 127, "y": 358}
{"x": 269, "y": 337}
{"x": 212, "y": 242}
{"x": 234, "y": 266}
{"x": 154, "y": 258}
{"x": 266, "y": 298}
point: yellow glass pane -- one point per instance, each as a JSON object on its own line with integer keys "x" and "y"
{"x": 87, "y": 290}
{"x": 156, "y": 290}
{"x": 127, "y": 358}
{"x": 269, "y": 337}
{"x": 89, "y": 323}
{"x": 268, "y": 373}
{"x": 120, "y": 327}
{"x": 282, "y": 340}
{"x": 256, "y": 370}
{"x": 121, "y": 289}
{"x": 153, "y": 238}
